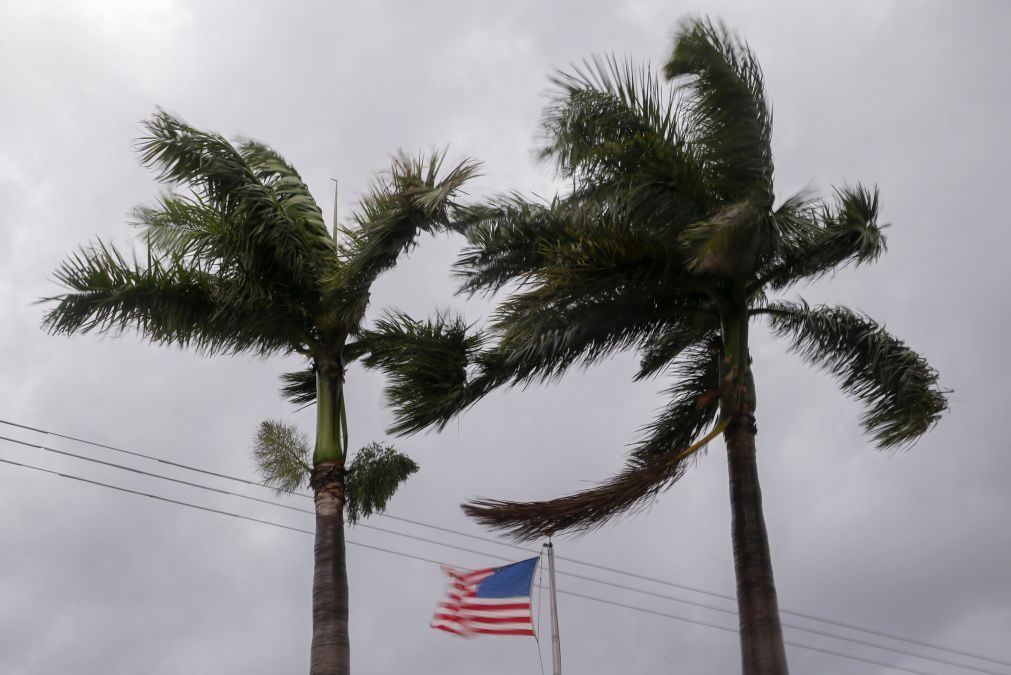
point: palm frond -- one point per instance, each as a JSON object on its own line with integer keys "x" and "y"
{"x": 620, "y": 135}
{"x": 730, "y": 122}
{"x": 167, "y": 303}
{"x": 629, "y": 490}
{"x": 426, "y": 362}
{"x": 373, "y": 477}
{"x": 659, "y": 459}
{"x": 414, "y": 196}
{"x": 299, "y": 386}
{"x": 543, "y": 333}
{"x": 508, "y": 240}
{"x": 897, "y": 386}
{"x": 283, "y": 456}
{"x": 824, "y": 238}
{"x": 693, "y": 404}
{"x": 249, "y": 209}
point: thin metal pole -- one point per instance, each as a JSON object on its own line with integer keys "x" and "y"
{"x": 556, "y": 650}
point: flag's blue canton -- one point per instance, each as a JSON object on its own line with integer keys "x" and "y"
{"x": 511, "y": 581}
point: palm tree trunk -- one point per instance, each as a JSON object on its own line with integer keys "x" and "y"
{"x": 331, "y": 646}
{"x": 762, "y": 650}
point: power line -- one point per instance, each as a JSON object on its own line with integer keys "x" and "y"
{"x": 483, "y": 553}
{"x": 500, "y": 543}
{"x": 436, "y": 562}
{"x": 734, "y": 630}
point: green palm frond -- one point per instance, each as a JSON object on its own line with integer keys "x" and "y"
{"x": 168, "y": 303}
{"x": 184, "y": 227}
{"x": 426, "y": 362}
{"x": 619, "y": 134}
{"x": 259, "y": 215}
{"x": 826, "y": 238}
{"x": 299, "y": 386}
{"x": 674, "y": 339}
{"x": 283, "y": 456}
{"x": 508, "y": 240}
{"x": 414, "y": 196}
{"x": 694, "y": 401}
{"x": 897, "y": 386}
{"x": 546, "y": 332}
{"x": 373, "y": 477}
{"x": 730, "y": 122}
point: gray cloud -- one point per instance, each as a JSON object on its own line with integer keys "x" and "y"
{"x": 909, "y": 95}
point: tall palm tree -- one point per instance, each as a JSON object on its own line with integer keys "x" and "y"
{"x": 670, "y": 242}
{"x": 239, "y": 260}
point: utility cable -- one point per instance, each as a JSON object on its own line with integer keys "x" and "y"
{"x": 477, "y": 552}
{"x": 499, "y": 543}
{"x": 436, "y": 562}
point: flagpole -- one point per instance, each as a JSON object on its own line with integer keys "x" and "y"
{"x": 556, "y": 650}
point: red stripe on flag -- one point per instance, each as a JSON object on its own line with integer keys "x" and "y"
{"x": 494, "y": 608}
{"x": 492, "y": 631}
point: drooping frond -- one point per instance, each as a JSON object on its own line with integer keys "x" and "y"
{"x": 413, "y": 197}
{"x": 426, "y": 363}
{"x": 619, "y": 134}
{"x": 283, "y": 456}
{"x": 897, "y": 386}
{"x": 730, "y": 127}
{"x": 659, "y": 459}
{"x": 373, "y": 477}
{"x": 167, "y": 303}
{"x": 825, "y": 238}
{"x": 588, "y": 509}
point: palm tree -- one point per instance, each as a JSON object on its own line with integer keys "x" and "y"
{"x": 670, "y": 242}
{"x": 240, "y": 261}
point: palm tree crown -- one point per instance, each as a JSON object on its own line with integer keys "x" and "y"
{"x": 670, "y": 241}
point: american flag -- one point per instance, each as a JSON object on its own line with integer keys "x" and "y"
{"x": 492, "y": 601}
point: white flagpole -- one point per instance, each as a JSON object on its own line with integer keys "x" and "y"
{"x": 556, "y": 650}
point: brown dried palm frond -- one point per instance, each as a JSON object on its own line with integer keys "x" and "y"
{"x": 628, "y": 491}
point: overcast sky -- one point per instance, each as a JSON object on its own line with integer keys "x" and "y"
{"x": 910, "y": 95}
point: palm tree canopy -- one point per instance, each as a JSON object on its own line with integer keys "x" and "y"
{"x": 668, "y": 240}
{"x": 237, "y": 256}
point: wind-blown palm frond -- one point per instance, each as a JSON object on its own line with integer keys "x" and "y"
{"x": 299, "y": 386}
{"x": 629, "y": 490}
{"x": 373, "y": 478}
{"x": 730, "y": 121}
{"x": 283, "y": 457}
{"x": 412, "y": 197}
{"x": 262, "y": 217}
{"x": 426, "y": 362}
{"x": 656, "y": 462}
{"x": 168, "y": 303}
{"x": 897, "y": 386}
{"x": 693, "y": 401}
{"x": 508, "y": 240}
{"x": 826, "y": 238}
{"x": 619, "y": 134}
{"x": 546, "y": 332}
